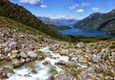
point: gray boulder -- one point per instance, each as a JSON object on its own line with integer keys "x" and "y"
{"x": 96, "y": 58}
{"x": 12, "y": 45}
{"x": 31, "y": 54}
{"x": 23, "y": 54}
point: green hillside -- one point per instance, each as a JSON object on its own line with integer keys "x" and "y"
{"x": 99, "y": 21}
{"x": 20, "y": 14}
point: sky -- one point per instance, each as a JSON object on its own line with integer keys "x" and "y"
{"x": 76, "y": 9}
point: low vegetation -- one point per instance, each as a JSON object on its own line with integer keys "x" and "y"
{"x": 58, "y": 27}
{"x": 87, "y": 39}
{"x": 20, "y": 14}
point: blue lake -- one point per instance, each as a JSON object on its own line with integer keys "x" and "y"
{"x": 77, "y": 31}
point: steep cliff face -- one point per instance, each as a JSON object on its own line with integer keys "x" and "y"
{"x": 98, "y": 21}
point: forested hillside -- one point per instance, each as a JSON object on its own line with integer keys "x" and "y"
{"x": 20, "y": 14}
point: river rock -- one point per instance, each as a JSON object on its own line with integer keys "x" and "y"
{"x": 91, "y": 69}
{"x": 96, "y": 58}
{"x": 83, "y": 75}
{"x": 64, "y": 52}
{"x": 2, "y": 57}
{"x": 64, "y": 75}
{"x": 16, "y": 62}
{"x": 13, "y": 54}
{"x": 61, "y": 62}
{"x": 112, "y": 55}
{"x": 82, "y": 59}
{"x": 23, "y": 54}
{"x": 12, "y": 45}
{"x": 88, "y": 56}
{"x": 27, "y": 59}
{"x": 7, "y": 49}
{"x": 22, "y": 61}
{"x": 80, "y": 45}
{"x": 1, "y": 50}
{"x": 31, "y": 54}
{"x": 6, "y": 72}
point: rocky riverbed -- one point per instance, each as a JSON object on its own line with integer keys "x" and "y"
{"x": 25, "y": 55}
{"x": 40, "y": 69}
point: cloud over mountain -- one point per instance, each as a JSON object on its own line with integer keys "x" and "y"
{"x": 80, "y": 10}
{"x": 34, "y": 2}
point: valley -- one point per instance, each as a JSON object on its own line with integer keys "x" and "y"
{"x": 33, "y": 50}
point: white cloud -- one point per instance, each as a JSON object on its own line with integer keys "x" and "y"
{"x": 34, "y": 2}
{"x": 78, "y": 5}
{"x": 43, "y": 6}
{"x": 95, "y": 8}
{"x": 80, "y": 10}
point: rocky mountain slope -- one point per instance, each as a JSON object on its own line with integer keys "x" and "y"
{"x": 20, "y": 44}
{"x": 99, "y": 21}
{"x": 20, "y": 14}
{"x": 58, "y": 22}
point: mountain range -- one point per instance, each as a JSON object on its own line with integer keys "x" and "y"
{"x": 58, "y": 22}
{"x": 99, "y": 21}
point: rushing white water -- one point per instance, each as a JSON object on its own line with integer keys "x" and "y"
{"x": 26, "y": 73}
{"x": 55, "y": 58}
{"x": 40, "y": 71}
